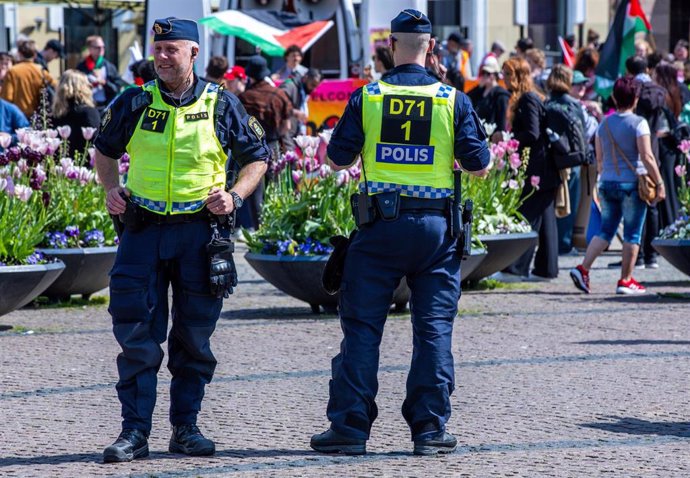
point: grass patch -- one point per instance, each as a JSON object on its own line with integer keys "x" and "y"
{"x": 45, "y": 303}
{"x": 491, "y": 284}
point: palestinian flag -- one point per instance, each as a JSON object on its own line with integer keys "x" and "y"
{"x": 568, "y": 53}
{"x": 272, "y": 31}
{"x": 620, "y": 44}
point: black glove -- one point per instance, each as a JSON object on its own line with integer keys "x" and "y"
{"x": 222, "y": 271}
{"x": 333, "y": 272}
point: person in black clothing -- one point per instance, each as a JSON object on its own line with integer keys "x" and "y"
{"x": 103, "y": 75}
{"x": 559, "y": 84}
{"x": 74, "y": 107}
{"x": 50, "y": 52}
{"x": 528, "y": 117}
{"x": 490, "y": 100}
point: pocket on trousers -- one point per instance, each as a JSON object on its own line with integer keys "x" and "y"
{"x": 199, "y": 308}
{"x": 129, "y": 294}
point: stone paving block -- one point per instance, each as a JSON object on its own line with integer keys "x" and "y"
{"x": 550, "y": 382}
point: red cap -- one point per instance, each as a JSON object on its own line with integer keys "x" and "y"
{"x": 235, "y": 73}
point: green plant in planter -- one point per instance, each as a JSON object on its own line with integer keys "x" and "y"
{"x": 74, "y": 196}
{"x": 498, "y": 196}
{"x": 23, "y": 212}
{"x": 305, "y": 203}
{"x": 680, "y": 229}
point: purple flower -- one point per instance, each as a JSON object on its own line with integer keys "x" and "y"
{"x": 36, "y": 258}
{"x": 87, "y": 132}
{"x": 57, "y": 240}
{"x": 13, "y": 154}
{"x": 72, "y": 231}
{"x": 94, "y": 238}
{"x": 64, "y": 131}
{"x": 4, "y": 160}
{"x": 5, "y": 141}
{"x": 38, "y": 177}
{"x": 534, "y": 181}
{"x": 45, "y": 198}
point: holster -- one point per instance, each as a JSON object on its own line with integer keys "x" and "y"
{"x": 332, "y": 276}
{"x": 362, "y": 209}
{"x": 465, "y": 238}
{"x": 133, "y": 218}
{"x": 222, "y": 271}
{"x": 387, "y": 205}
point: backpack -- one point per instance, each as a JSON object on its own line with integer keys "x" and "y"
{"x": 568, "y": 145}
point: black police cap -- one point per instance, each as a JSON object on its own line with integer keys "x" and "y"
{"x": 411, "y": 21}
{"x": 172, "y": 28}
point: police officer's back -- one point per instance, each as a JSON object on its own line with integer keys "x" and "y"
{"x": 409, "y": 128}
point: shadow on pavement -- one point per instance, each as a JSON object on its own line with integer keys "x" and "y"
{"x": 642, "y": 299}
{"x": 635, "y": 426}
{"x": 634, "y": 342}
{"x": 51, "y": 459}
{"x": 290, "y": 313}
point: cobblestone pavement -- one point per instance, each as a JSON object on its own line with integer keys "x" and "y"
{"x": 551, "y": 382}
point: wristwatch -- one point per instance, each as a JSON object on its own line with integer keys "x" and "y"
{"x": 236, "y": 199}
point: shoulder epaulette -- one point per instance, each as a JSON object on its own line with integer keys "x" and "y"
{"x": 141, "y": 100}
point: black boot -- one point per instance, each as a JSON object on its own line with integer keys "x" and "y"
{"x": 130, "y": 445}
{"x": 187, "y": 439}
{"x": 333, "y": 442}
{"x": 441, "y": 443}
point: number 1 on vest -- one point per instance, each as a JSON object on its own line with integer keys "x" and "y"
{"x": 407, "y": 126}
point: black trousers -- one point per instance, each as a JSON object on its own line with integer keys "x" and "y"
{"x": 539, "y": 210}
{"x": 650, "y": 231}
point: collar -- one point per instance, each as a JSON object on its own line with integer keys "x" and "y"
{"x": 197, "y": 90}
{"x": 407, "y": 68}
{"x": 644, "y": 78}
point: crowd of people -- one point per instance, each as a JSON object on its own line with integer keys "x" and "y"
{"x": 647, "y": 108}
{"x": 277, "y": 99}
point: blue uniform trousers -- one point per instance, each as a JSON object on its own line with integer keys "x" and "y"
{"x": 418, "y": 246}
{"x": 147, "y": 263}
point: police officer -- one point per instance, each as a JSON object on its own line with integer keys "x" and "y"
{"x": 408, "y": 128}
{"x": 178, "y": 131}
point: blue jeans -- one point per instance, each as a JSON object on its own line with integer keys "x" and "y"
{"x": 621, "y": 201}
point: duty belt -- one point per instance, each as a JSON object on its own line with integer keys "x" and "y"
{"x": 411, "y": 204}
{"x": 149, "y": 217}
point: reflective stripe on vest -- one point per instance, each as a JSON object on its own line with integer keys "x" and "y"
{"x": 175, "y": 156}
{"x": 408, "y": 139}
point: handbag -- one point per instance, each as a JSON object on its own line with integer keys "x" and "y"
{"x": 646, "y": 187}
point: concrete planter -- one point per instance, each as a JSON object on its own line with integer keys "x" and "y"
{"x": 300, "y": 277}
{"x": 676, "y": 252}
{"x": 501, "y": 251}
{"x": 19, "y": 285}
{"x": 86, "y": 271}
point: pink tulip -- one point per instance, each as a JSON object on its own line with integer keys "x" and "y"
{"x": 512, "y": 145}
{"x": 534, "y": 181}
{"x": 51, "y": 133}
{"x": 64, "y": 131}
{"x": 123, "y": 168}
{"x": 500, "y": 164}
{"x": 290, "y": 157}
{"x": 88, "y": 132}
{"x": 515, "y": 161}
{"x": 684, "y": 146}
{"x": 324, "y": 170}
{"x": 52, "y": 145}
{"x": 5, "y": 141}
{"x": 680, "y": 170}
{"x": 22, "y": 166}
{"x": 297, "y": 176}
{"x": 23, "y": 193}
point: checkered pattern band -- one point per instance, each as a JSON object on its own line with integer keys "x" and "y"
{"x": 423, "y": 192}
{"x": 160, "y": 206}
{"x": 444, "y": 91}
{"x": 192, "y": 206}
{"x": 373, "y": 88}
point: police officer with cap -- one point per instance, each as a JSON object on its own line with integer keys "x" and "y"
{"x": 409, "y": 129}
{"x": 178, "y": 131}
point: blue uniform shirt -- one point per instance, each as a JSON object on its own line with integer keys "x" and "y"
{"x": 470, "y": 140}
{"x": 11, "y": 118}
{"x": 238, "y": 139}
